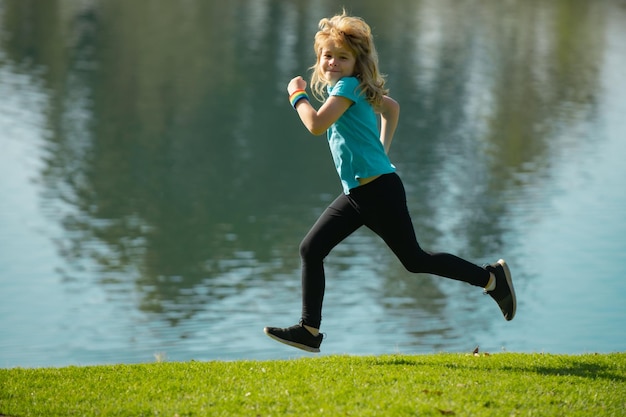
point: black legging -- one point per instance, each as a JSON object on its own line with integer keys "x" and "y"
{"x": 381, "y": 206}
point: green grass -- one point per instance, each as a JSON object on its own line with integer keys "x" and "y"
{"x": 504, "y": 384}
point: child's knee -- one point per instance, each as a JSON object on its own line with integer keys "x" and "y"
{"x": 311, "y": 252}
{"x": 417, "y": 262}
{"x": 306, "y": 249}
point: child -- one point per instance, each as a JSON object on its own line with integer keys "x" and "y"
{"x": 373, "y": 194}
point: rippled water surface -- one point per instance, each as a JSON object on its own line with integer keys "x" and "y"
{"x": 155, "y": 183}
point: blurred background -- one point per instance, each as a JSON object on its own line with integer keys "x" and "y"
{"x": 155, "y": 183}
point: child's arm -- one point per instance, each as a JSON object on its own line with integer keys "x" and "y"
{"x": 318, "y": 121}
{"x": 389, "y": 115}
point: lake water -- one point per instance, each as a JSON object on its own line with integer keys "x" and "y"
{"x": 155, "y": 184}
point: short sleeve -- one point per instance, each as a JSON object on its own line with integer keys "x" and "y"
{"x": 347, "y": 87}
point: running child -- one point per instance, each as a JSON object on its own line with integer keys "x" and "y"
{"x": 360, "y": 120}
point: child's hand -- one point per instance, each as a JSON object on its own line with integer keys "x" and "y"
{"x": 296, "y": 83}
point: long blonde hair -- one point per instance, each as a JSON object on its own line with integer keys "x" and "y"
{"x": 355, "y": 35}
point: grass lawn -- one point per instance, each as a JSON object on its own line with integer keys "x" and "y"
{"x": 503, "y": 384}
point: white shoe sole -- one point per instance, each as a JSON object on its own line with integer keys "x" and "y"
{"x": 293, "y": 344}
{"x": 509, "y": 281}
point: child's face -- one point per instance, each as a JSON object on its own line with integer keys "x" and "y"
{"x": 336, "y": 62}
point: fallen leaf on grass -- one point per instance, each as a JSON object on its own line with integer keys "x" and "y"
{"x": 476, "y": 352}
{"x": 446, "y": 412}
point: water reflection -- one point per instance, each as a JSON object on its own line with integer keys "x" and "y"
{"x": 183, "y": 184}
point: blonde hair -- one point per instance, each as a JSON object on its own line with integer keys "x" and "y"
{"x": 355, "y": 35}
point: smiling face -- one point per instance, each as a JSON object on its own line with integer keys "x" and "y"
{"x": 335, "y": 62}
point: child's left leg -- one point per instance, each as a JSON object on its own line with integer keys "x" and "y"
{"x": 383, "y": 208}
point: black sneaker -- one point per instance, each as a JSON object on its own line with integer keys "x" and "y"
{"x": 504, "y": 294}
{"x": 296, "y": 336}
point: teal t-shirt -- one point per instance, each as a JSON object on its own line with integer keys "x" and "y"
{"x": 354, "y": 138}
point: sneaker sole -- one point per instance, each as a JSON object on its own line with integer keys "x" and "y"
{"x": 293, "y": 344}
{"x": 509, "y": 281}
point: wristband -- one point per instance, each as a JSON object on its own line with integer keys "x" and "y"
{"x": 296, "y": 96}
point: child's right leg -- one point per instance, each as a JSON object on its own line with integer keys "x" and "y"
{"x": 337, "y": 222}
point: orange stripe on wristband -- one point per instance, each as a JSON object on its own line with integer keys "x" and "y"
{"x": 296, "y": 96}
